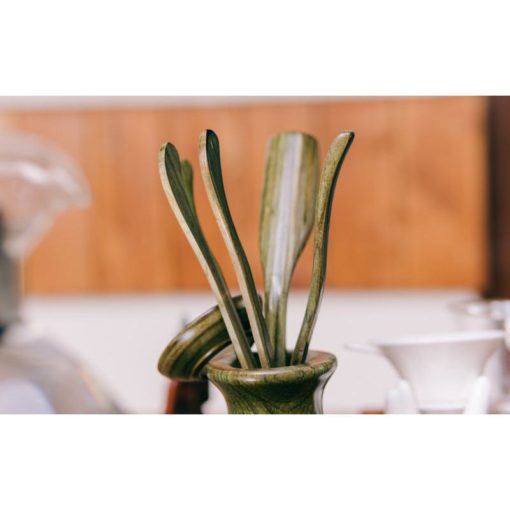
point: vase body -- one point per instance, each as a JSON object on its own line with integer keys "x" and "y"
{"x": 284, "y": 390}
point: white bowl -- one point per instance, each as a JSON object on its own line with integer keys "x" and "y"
{"x": 440, "y": 368}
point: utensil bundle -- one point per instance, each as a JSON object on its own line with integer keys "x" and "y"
{"x": 292, "y": 203}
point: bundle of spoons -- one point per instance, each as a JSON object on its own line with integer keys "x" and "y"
{"x": 295, "y": 200}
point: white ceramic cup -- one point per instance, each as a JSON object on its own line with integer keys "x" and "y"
{"x": 490, "y": 314}
{"x": 442, "y": 368}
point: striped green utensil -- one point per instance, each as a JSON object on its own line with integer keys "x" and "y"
{"x": 328, "y": 179}
{"x": 209, "y": 152}
{"x": 177, "y": 179}
{"x": 286, "y": 219}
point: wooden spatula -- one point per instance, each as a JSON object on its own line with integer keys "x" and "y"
{"x": 177, "y": 183}
{"x": 287, "y": 214}
{"x": 329, "y": 176}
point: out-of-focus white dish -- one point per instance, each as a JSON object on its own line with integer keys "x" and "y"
{"x": 441, "y": 368}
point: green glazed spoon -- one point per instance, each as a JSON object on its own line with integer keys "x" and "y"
{"x": 209, "y": 152}
{"x": 329, "y": 176}
{"x": 177, "y": 183}
{"x": 288, "y": 203}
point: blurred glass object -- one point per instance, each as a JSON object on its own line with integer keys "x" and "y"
{"x": 38, "y": 377}
{"x": 37, "y": 182}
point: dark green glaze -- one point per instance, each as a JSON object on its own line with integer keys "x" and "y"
{"x": 198, "y": 342}
{"x": 294, "y": 389}
{"x": 286, "y": 219}
{"x": 328, "y": 179}
{"x": 177, "y": 181}
{"x": 290, "y": 206}
{"x": 209, "y": 152}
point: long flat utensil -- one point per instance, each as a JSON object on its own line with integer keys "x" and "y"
{"x": 328, "y": 179}
{"x": 210, "y": 163}
{"x": 177, "y": 183}
{"x": 286, "y": 219}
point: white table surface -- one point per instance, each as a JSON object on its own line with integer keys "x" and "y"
{"x": 120, "y": 337}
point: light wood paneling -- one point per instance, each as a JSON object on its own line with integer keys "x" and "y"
{"x": 410, "y": 207}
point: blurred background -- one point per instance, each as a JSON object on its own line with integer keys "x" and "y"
{"x": 416, "y": 225}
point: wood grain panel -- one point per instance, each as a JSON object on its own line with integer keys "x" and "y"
{"x": 410, "y": 207}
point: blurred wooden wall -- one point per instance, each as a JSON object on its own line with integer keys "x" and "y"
{"x": 410, "y": 206}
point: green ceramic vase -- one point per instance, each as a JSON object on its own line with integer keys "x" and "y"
{"x": 294, "y": 389}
